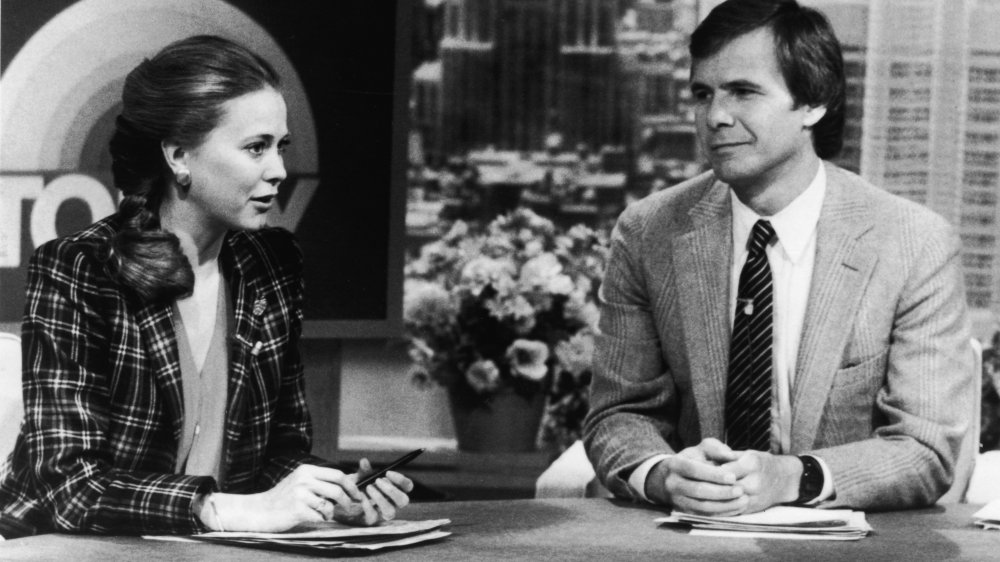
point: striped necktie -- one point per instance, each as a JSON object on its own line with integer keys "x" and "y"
{"x": 748, "y": 394}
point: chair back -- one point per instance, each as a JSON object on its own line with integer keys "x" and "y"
{"x": 967, "y": 454}
{"x": 11, "y": 401}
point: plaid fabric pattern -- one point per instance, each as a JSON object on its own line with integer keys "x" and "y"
{"x": 102, "y": 396}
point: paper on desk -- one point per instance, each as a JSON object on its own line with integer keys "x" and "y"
{"x": 800, "y": 523}
{"x": 989, "y": 516}
{"x": 769, "y": 535}
{"x": 334, "y": 530}
{"x": 328, "y": 536}
{"x": 324, "y": 545}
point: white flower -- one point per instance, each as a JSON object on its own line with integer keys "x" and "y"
{"x": 426, "y": 304}
{"x": 533, "y": 248}
{"x": 515, "y": 309}
{"x": 483, "y": 376}
{"x": 482, "y": 271}
{"x": 458, "y": 231}
{"x": 580, "y": 232}
{"x": 579, "y": 308}
{"x": 539, "y": 270}
{"x": 577, "y": 353}
{"x": 527, "y": 359}
{"x": 419, "y": 351}
{"x": 560, "y": 285}
{"x": 563, "y": 243}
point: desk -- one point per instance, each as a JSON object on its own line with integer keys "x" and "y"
{"x": 574, "y": 529}
{"x": 461, "y": 475}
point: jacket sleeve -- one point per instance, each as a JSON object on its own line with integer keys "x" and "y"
{"x": 633, "y": 395}
{"x": 67, "y": 455}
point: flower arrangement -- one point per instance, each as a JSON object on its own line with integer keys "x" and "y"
{"x": 509, "y": 305}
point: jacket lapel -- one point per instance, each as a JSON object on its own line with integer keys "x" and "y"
{"x": 701, "y": 259}
{"x": 845, "y": 259}
{"x": 157, "y": 332}
{"x": 247, "y": 308}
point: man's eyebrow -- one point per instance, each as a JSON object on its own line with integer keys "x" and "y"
{"x": 740, "y": 84}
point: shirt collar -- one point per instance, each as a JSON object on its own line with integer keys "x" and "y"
{"x": 794, "y": 225}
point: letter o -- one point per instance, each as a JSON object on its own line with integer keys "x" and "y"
{"x": 69, "y": 186}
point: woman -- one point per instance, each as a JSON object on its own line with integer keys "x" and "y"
{"x": 162, "y": 380}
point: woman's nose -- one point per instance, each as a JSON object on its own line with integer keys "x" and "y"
{"x": 275, "y": 171}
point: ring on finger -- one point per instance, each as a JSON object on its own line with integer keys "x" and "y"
{"x": 322, "y": 506}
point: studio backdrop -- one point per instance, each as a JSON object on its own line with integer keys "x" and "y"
{"x": 62, "y": 67}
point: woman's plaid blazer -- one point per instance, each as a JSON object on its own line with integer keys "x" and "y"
{"x": 103, "y": 399}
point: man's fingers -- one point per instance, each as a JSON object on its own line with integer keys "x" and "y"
{"x": 746, "y": 464}
{"x": 716, "y": 508}
{"x": 695, "y": 470}
{"x": 705, "y": 491}
{"x": 717, "y": 451}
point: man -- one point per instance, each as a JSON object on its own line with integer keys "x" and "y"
{"x": 778, "y": 330}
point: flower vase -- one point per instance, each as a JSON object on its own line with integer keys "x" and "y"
{"x": 506, "y": 423}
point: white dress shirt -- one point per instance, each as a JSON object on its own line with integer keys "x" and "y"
{"x": 791, "y": 257}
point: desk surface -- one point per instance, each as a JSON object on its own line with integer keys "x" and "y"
{"x": 577, "y": 529}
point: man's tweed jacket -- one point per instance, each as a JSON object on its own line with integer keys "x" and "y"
{"x": 883, "y": 383}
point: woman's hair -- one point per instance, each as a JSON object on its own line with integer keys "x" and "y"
{"x": 177, "y": 95}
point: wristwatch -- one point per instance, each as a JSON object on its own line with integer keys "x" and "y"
{"x": 811, "y": 483}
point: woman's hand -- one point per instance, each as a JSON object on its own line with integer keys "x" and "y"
{"x": 388, "y": 494}
{"x": 309, "y": 494}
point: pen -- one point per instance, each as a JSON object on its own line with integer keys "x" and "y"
{"x": 394, "y": 464}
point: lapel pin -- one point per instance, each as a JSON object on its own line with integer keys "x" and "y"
{"x": 256, "y": 349}
{"x": 747, "y": 305}
{"x": 259, "y": 305}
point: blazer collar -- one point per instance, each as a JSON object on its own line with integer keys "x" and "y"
{"x": 701, "y": 256}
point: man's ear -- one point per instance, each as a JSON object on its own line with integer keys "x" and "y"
{"x": 175, "y": 155}
{"x": 813, "y": 115}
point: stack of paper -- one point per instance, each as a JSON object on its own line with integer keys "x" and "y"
{"x": 779, "y": 522}
{"x": 329, "y": 536}
{"x": 989, "y": 516}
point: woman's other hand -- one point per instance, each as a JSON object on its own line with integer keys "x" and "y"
{"x": 383, "y": 498}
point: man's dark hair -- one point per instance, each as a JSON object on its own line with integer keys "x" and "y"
{"x": 808, "y": 54}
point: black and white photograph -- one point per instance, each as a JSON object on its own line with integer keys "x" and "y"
{"x": 495, "y": 279}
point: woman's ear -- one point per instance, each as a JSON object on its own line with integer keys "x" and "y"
{"x": 175, "y": 155}
{"x": 176, "y": 158}
{"x": 813, "y": 115}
